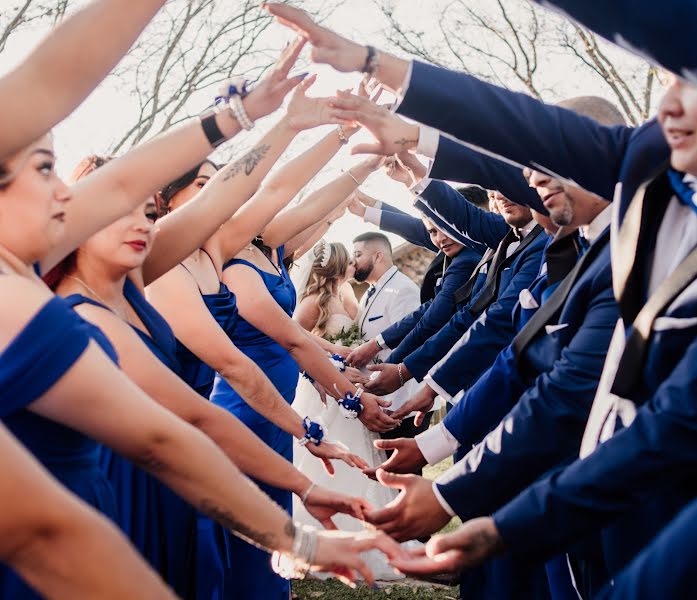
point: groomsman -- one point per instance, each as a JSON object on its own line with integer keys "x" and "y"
{"x": 390, "y": 297}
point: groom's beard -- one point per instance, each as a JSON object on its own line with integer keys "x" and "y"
{"x": 362, "y": 274}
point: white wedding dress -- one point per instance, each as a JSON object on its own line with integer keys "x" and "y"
{"x": 348, "y": 480}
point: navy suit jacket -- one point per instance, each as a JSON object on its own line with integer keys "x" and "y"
{"x": 533, "y": 433}
{"x": 660, "y": 32}
{"x": 488, "y": 332}
{"x": 597, "y": 158}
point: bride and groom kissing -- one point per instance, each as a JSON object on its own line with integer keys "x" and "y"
{"x": 327, "y": 304}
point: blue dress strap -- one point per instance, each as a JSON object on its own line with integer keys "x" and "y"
{"x": 242, "y": 261}
{"x": 41, "y": 354}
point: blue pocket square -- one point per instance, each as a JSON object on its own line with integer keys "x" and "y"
{"x": 370, "y": 319}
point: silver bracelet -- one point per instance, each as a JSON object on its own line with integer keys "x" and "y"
{"x": 297, "y": 563}
{"x": 401, "y": 375}
{"x": 307, "y": 493}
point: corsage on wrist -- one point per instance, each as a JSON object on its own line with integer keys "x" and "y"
{"x": 297, "y": 564}
{"x": 314, "y": 432}
{"x": 307, "y": 376}
{"x": 350, "y": 405}
{"x": 338, "y": 362}
{"x": 231, "y": 94}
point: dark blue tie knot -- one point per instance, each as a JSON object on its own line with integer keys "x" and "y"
{"x": 371, "y": 291}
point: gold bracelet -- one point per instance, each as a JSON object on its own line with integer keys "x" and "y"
{"x": 351, "y": 175}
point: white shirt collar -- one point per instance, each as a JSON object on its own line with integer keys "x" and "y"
{"x": 597, "y": 225}
{"x": 385, "y": 276}
{"x": 524, "y": 231}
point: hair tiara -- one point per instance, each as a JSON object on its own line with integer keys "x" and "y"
{"x": 323, "y": 252}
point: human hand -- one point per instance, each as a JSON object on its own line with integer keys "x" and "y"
{"x": 362, "y": 355}
{"x": 406, "y": 168}
{"x": 388, "y": 380}
{"x": 392, "y": 134}
{"x": 422, "y": 402}
{"x": 355, "y": 376}
{"x": 413, "y": 514}
{"x": 328, "y": 47}
{"x": 364, "y": 198}
{"x": 355, "y": 206}
{"x": 406, "y": 457}
{"x": 305, "y": 112}
{"x": 350, "y": 129}
{"x": 471, "y": 544}
{"x": 328, "y": 451}
{"x": 268, "y": 94}
{"x": 372, "y": 415}
{"x": 321, "y": 390}
{"x": 340, "y": 552}
{"x": 323, "y": 504}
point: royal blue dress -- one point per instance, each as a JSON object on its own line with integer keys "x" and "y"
{"x": 249, "y": 567}
{"x": 36, "y": 359}
{"x": 159, "y": 523}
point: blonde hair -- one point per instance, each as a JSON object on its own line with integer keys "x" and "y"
{"x": 329, "y": 266}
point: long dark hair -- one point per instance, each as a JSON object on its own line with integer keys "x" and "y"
{"x": 168, "y": 192}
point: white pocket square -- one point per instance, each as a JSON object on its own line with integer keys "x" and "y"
{"x": 550, "y": 329}
{"x": 527, "y": 300}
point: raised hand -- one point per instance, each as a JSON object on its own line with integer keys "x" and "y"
{"x": 422, "y": 402}
{"x": 305, "y": 112}
{"x": 406, "y": 169}
{"x": 357, "y": 208}
{"x": 364, "y": 198}
{"x": 388, "y": 380}
{"x": 414, "y": 514}
{"x": 373, "y": 417}
{"x": 328, "y": 451}
{"x": 323, "y": 504}
{"x": 268, "y": 94}
{"x": 366, "y": 352}
{"x": 468, "y": 546}
{"x": 340, "y": 552}
{"x": 392, "y": 134}
{"x": 328, "y": 47}
{"x": 405, "y": 458}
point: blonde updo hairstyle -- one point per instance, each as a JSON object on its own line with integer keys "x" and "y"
{"x": 331, "y": 261}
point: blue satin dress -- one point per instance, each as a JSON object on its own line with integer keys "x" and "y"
{"x": 36, "y": 359}
{"x": 249, "y": 567}
{"x": 159, "y": 523}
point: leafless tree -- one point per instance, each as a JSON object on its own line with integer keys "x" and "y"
{"x": 511, "y": 42}
{"x": 27, "y": 12}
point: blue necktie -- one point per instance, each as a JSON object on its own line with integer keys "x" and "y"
{"x": 683, "y": 191}
{"x": 371, "y": 291}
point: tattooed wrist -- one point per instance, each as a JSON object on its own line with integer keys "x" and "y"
{"x": 247, "y": 163}
{"x": 262, "y": 539}
{"x": 406, "y": 143}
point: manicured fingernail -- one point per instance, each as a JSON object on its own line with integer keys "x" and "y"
{"x": 303, "y": 75}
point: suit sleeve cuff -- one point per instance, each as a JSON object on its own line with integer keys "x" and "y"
{"x": 372, "y": 215}
{"x": 418, "y": 188}
{"x": 433, "y": 384}
{"x": 446, "y": 507}
{"x": 402, "y": 91}
{"x": 436, "y": 443}
{"x": 382, "y": 342}
{"x": 429, "y": 139}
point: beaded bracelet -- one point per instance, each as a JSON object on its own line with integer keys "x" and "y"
{"x": 401, "y": 375}
{"x": 314, "y": 432}
{"x": 231, "y": 93}
{"x": 350, "y": 405}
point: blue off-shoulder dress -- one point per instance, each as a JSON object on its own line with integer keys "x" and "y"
{"x": 36, "y": 359}
{"x": 249, "y": 567}
{"x": 159, "y": 523}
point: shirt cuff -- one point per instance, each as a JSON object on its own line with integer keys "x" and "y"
{"x": 433, "y": 384}
{"x": 429, "y": 139}
{"x": 372, "y": 215}
{"x": 401, "y": 92}
{"x": 382, "y": 342}
{"x": 436, "y": 443}
{"x": 418, "y": 188}
{"x": 446, "y": 507}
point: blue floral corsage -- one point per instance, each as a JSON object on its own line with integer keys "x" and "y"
{"x": 314, "y": 432}
{"x": 350, "y": 405}
{"x": 338, "y": 362}
{"x": 307, "y": 376}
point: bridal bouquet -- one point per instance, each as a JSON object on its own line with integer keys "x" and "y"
{"x": 350, "y": 338}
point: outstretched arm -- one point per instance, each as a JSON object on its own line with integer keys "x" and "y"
{"x": 66, "y": 67}
{"x": 57, "y": 544}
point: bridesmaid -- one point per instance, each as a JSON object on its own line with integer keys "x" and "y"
{"x": 92, "y": 397}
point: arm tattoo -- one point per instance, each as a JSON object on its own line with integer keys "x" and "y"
{"x": 404, "y": 142}
{"x": 261, "y": 539}
{"x": 247, "y": 163}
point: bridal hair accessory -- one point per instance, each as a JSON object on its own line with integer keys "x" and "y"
{"x": 314, "y": 432}
{"x": 350, "y": 405}
{"x": 324, "y": 253}
{"x": 338, "y": 362}
{"x": 297, "y": 564}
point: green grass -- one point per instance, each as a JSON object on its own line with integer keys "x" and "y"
{"x": 311, "y": 589}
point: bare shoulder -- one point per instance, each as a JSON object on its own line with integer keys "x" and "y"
{"x": 20, "y": 300}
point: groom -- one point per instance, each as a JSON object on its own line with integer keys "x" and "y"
{"x": 390, "y": 297}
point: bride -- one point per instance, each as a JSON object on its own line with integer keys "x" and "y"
{"x": 327, "y": 305}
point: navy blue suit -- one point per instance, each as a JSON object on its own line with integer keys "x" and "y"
{"x": 488, "y": 332}
{"x": 661, "y": 33}
{"x": 596, "y": 157}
